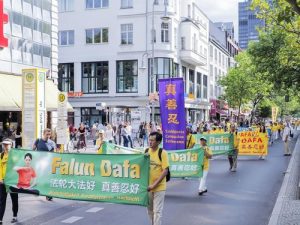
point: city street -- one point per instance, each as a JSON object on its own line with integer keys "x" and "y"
{"x": 246, "y": 197}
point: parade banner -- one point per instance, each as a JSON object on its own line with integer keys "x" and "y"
{"x": 105, "y": 178}
{"x": 186, "y": 163}
{"x": 183, "y": 163}
{"x": 253, "y": 143}
{"x": 219, "y": 143}
{"x": 274, "y": 114}
{"x": 110, "y": 148}
{"x": 172, "y": 112}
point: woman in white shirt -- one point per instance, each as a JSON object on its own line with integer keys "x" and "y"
{"x": 109, "y": 134}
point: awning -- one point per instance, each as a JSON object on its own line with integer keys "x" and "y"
{"x": 11, "y": 94}
{"x": 222, "y": 112}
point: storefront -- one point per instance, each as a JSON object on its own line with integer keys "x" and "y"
{"x": 11, "y": 103}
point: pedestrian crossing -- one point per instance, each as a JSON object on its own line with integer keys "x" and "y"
{"x": 74, "y": 219}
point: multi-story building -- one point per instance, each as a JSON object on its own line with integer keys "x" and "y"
{"x": 226, "y": 26}
{"x": 222, "y": 50}
{"x": 248, "y": 23}
{"x": 30, "y": 41}
{"x": 106, "y": 55}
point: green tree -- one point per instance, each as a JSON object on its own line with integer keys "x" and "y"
{"x": 277, "y": 54}
{"x": 244, "y": 84}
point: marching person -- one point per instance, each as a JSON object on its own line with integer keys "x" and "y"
{"x": 190, "y": 139}
{"x": 207, "y": 156}
{"x": 100, "y": 142}
{"x": 232, "y": 155}
{"x": 286, "y": 137}
{"x": 7, "y": 143}
{"x": 159, "y": 168}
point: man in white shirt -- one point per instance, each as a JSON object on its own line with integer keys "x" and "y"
{"x": 286, "y": 137}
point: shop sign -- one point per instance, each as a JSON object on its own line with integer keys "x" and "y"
{"x": 3, "y": 20}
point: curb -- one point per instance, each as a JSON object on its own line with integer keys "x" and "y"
{"x": 287, "y": 191}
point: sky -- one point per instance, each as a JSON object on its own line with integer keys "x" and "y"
{"x": 221, "y": 11}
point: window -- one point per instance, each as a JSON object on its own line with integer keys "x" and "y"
{"x": 164, "y": 32}
{"x": 175, "y": 38}
{"x": 17, "y": 20}
{"x": 126, "y": 34}
{"x": 126, "y": 4}
{"x": 27, "y": 52}
{"x": 216, "y": 56}
{"x": 91, "y": 115}
{"x": 211, "y": 52}
{"x": 96, "y": 35}
{"x": 127, "y": 76}
{"x": 65, "y": 5}
{"x": 204, "y": 86}
{"x": 163, "y": 68}
{"x": 27, "y": 27}
{"x": 95, "y": 77}
{"x": 66, "y": 37}
{"x": 66, "y": 77}
{"x": 182, "y": 43}
{"x": 94, "y": 4}
{"x": 175, "y": 70}
{"x": 198, "y": 87}
{"x": 184, "y": 77}
{"x": 191, "y": 82}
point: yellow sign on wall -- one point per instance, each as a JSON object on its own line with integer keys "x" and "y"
{"x": 253, "y": 143}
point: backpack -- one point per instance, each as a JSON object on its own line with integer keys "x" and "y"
{"x": 168, "y": 176}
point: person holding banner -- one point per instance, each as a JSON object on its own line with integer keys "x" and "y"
{"x": 190, "y": 139}
{"x": 232, "y": 155}
{"x": 7, "y": 143}
{"x": 207, "y": 156}
{"x": 159, "y": 168}
{"x": 100, "y": 142}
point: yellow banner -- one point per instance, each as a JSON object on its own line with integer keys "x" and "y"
{"x": 253, "y": 143}
{"x": 274, "y": 114}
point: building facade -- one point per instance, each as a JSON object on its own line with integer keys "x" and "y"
{"x": 30, "y": 30}
{"x": 222, "y": 50}
{"x": 248, "y": 23}
{"x": 107, "y": 55}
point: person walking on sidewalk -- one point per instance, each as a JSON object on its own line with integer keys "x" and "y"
{"x": 159, "y": 168}
{"x": 286, "y": 137}
{"x": 232, "y": 155}
{"x": 207, "y": 156}
{"x": 7, "y": 143}
{"x": 45, "y": 144}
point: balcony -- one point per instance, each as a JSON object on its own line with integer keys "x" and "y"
{"x": 192, "y": 57}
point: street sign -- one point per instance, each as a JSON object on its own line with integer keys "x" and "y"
{"x": 33, "y": 105}
{"x": 75, "y": 94}
{"x": 100, "y": 105}
{"x": 62, "y": 115}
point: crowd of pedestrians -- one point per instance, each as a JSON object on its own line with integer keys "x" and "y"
{"x": 150, "y": 137}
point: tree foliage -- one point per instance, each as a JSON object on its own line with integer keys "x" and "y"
{"x": 277, "y": 53}
{"x": 245, "y": 84}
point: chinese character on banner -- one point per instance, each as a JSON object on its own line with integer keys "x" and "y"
{"x": 170, "y": 89}
{"x": 171, "y": 92}
{"x": 171, "y": 104}
{"x": 173, "y": 119}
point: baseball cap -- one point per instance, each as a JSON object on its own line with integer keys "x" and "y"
{"x": 203, "y": 138}
{"x": 101, "y": 131}
{"x": 7, "y": 141}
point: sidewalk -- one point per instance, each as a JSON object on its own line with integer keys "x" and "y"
{"x": 287, "y": 207}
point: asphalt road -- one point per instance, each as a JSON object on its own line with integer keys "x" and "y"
{"x": 246, "y": 197}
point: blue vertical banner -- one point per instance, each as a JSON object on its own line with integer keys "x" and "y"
{"x": 172, "y": 113}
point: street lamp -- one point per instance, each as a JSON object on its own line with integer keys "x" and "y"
{"x": 165, "y": 18}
